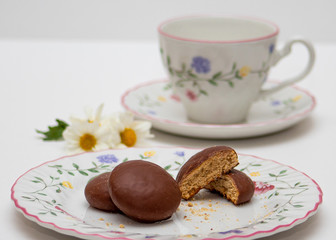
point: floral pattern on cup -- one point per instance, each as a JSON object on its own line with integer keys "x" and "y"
{"x": 201, "y": 65}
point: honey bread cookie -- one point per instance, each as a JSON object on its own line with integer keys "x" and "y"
{"x": 205, "y": 167}
{"x": 235, "y": 186}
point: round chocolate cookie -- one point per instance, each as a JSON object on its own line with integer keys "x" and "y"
{"x": 144, "y": 191}
{"x": 97, "y": 193}
{"x": 204, "y": 167}
{"x": 236, "y": 186}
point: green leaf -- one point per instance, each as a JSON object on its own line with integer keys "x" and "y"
{"x": 168, "y": 60}
{"x": 216, "y": 75}
{"x": 83, "y": 173}
{"x": 272, "y": 175}
{"x": 58, "y": 190}
{"x": 93, "y": 170}
{"x": 42, "y": 194}
{"x": 231, "y": 84}
{"x": 234, "y": 67}
{"x": 256, "y": 165}
{"x": 237, "y": 75}
{"x": 282, "y": 172}
{"x": 282, "y": 218}
{"x": 297, "y": 206}
{"x": 126, "y": 159}
{"x": 178, "y": 163}
{"x": 167, "y": 167}
{"x": 53, "y": 213}
{"x": 75, "y": 165}
{"x": 35, "y": 181}
{"x": 213, "y": 82}
{"x": 54, "y": 132}
{"x": 203, "y": 92}
{"x": 296, "y": 184}
{"x": 59, "y": 171}
{"x": 71, "y": 173}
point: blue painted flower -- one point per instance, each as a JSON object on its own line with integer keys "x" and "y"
{"x": 108, "y": 158}
{"x": 276, "y": 103}
{"x": 179, "y": 153}
{"x": 151, "y": 112}
{"x": 201, "y": 64}
{"x": 271, "y": 48}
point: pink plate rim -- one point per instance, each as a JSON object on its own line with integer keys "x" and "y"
{"x": 190, "y": 124}
{"x": 250, "y": 18}
{"x": 53, "y": 225}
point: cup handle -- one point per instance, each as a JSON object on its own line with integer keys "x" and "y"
{"x": 279, "y": 54}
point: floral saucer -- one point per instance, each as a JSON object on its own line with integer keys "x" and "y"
{"x": 155, "y": 102}
{"x": 52, "y": 195}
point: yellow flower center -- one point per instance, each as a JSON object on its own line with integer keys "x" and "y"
{"x": 128, "y": 137}
{"x": 244, "y": 71}
{"x": 87, "y": 142}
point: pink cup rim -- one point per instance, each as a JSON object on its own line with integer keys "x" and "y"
{"x": 255, "y": 19}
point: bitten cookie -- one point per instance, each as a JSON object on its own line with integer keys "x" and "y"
{"x": 97, "y": 193}
{"x": 235, "y": 186}
{"x": 204, "y": 167}
{"x": 144, "y": 191}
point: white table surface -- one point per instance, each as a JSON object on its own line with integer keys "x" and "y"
{"x": 41, "y": 81}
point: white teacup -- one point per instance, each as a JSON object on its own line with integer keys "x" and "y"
{"x": 218, "y": 65}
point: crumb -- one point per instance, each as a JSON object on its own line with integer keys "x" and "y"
{"x": 206, "y": 217}
{"x": 210, "y": 205}
{"x": 197, "y": 227}
{"x": 211, "y": 229}
{"x": 107, "y": 224}
{"x": 190, "y": 204}
{"x": 101, "y": 219}
{"x": 121, "y": 225}
{"x": 210, "y": 200}
{"x": 185, "y": 217}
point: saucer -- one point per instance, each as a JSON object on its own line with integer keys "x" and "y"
{"x": 155, "y": 102}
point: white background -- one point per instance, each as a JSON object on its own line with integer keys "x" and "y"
{"x": 138, "y": 19}
{"x": 58, "y": 56}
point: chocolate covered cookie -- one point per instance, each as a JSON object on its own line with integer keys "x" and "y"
{"x": 204, "y": 167}
{"x": 236, "y": 186}
{"x": 97, "y": 193}
{"x": 144, "y": 191}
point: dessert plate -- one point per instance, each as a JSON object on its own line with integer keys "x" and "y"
{"x": 52, "y": 195}
{"x": 155, "y": 102}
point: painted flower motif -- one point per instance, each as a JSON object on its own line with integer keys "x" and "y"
{"x": 162, "y": 99}
{"x": 232, "y": 231}
{"x": 261, "y": 187}
{"x": 244, "y": 71}
{"x": 175, "y": 97}
{"x": 131, "y": 132}
{"x": 107, "y": 158}
{"x": 201, "y": 64}
{"x": 255, "y": 174}
{"x": 275, "y": 103}
{"x": 296, "y": 98}
{"x": 271, "y": 48}
{"x": 67, "y": 184}
{"x": 180, "y": 153}
{"x": 151, "y": 112}
{"x": 149, "y": 153}
{"x": 191, "y": 95}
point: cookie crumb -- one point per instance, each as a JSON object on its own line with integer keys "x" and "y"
{"x": 101, "y": 219}
{"x": 190, "y": 204}
{"x": 121, "y": 226}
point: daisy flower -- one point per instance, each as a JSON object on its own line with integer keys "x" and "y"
{"x": 90, "y": 134}
{"x": 132, "y": 132}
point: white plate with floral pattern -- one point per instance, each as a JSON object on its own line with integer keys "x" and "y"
{"x": 155, "y": 102}
{"x": 52, "y": 195}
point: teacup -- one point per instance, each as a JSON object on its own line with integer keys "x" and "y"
{"x": 217, "y": 65}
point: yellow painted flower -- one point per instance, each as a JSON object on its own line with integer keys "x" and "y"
{"x": 149, "y": 153}
{"x": 296, "y": 98}
{"x": 67, "y": 184}
{"x": 162, "y": 98}
{"x": 244, "y": 71}
{"x": 255, "y": 174}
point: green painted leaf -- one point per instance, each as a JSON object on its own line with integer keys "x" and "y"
{"x": 167, "y": 167}
{"x": 283, "y": 171}
{"x": 71, "y": 173}
{"x": 35, "y": 181}
{"x": 83, "y": 173}
{"x": 203, "y": 92}
{"x": 231, "y": 84}
{"x": 75, "y": 165}
{"x": 256, "y": 165}
{"x": 168, "y": 60}
{"x": 297, "y": 206}
{"x": 178, "y": 163}
{"x": 126, "y": 159}
{"x": 296, "y": 184}
{"x": 42, "y": 194}
{"x": 53, "y": 213}
{"x": 93, "y": 170}
{"x": 213, "y": 82}
{"x": 59, "y": 171}
{"x": 216, "y": 75}
{"x": 272, "y": 175}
